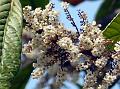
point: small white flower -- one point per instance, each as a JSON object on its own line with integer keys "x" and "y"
{"x": 27, "y": 8}
{"x": 65, "y": 5}
{"x": 101, "y": 62}
{"x": 109, "y": 78}
{"x": 96, "y": 52}
{"x": 94, "y": 23}
{"x": 38, "y": 11}
{"x": 51, "y": 42}
{"x": 86, "y": 42}
{"x": 49, "y": 6}
{"x": 65, "y": 43}
{"x": 117, "y": 47}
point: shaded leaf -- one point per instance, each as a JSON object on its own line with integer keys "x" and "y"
{"x": 107, "y": 8}
{"x": 22, "y": 77}
{"x": 112, "y": 31}
{"x": 79, "y": 86}
{"x": 34, "y": 3}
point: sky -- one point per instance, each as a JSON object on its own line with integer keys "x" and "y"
{"x": 90, "y": 7}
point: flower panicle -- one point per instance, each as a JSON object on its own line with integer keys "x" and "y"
{"x": 62, "y": 52}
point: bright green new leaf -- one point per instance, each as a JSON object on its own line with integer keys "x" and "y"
{"x": 10, "y": 40}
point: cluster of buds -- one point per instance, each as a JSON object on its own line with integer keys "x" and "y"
{"x": 62, "y": 52}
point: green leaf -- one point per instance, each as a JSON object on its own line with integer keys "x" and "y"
{"x": 10, "y": 40}
{"x": 34, "y": 3}
{"x": 79, "y": 86}
{"x": 24, "y": 74}
{"x": 19, "y": 82}
{"x": 25, "y": 2}
{"x": 112, "y": 31}
{"x": 106, "y": 8}
{"x": 41, "y": 3}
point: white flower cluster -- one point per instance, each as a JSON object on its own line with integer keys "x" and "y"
{"x": 65, "y": 5}
{"x": 101, "y": 62}
{"x": 92, "y": 39}
{"x": 61, "y": 52}
{"x": 117, "y": 47}
{"x": 109, "y": 78}
{"x": 116, "y": 56}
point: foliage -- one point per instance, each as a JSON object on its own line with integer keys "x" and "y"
{"x": 106, "y": 8}
{"x": 112, "y": 31}
{"x": 22, "y": 77}
{"x": 24, "y": 74}
{"x": 10, "y": 40}
{"x": 34, "y": 3}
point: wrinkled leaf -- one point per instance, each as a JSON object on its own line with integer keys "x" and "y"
{"x": 10, "y": 40}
